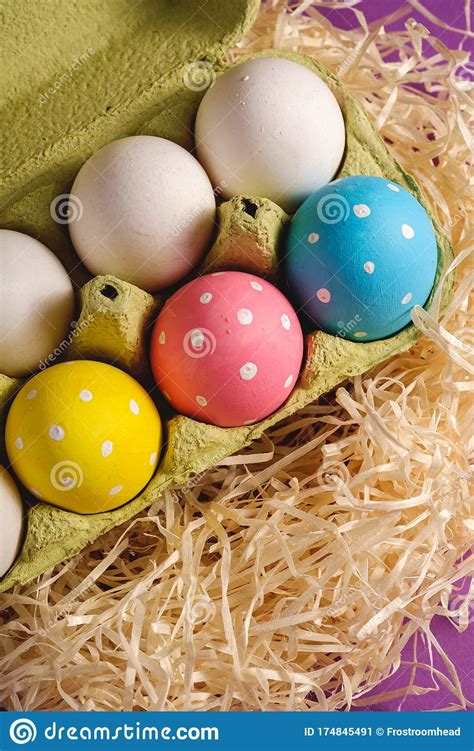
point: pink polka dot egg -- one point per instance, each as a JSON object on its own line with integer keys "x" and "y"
{"x": 227, "y": 349}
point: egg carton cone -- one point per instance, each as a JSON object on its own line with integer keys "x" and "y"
{"x": 151, "y": 82}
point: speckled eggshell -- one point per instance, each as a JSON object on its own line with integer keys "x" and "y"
{"x": 84, "y": 436}
{"x": 36, "y": 303}
{"x": 11, "y": 525}
{"x": 142, "y": 209}
{"x": 227, "y": 349}
{"x": 361, "y": 253}
{"x": 272, "y": 128}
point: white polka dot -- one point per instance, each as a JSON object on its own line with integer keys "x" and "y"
{"x": 393, "y": 187}
{"x": 162, "y": 337}
{"x": 408, "y": 298}
{"x": 360, "y": 334}
{"x": 56, "y": 432}
{"x": 285, "y": 322}
{"x": 201, "y": 400}
{"x": 85, "y": 395}
{"x": 313, "y": 237}
{"x": 244, "y": 316}
{"x": 323, "y": 295}
{"x": 153, "y": 458}
{"x": 361, "y": 210}
{"x": 35, "y": 492}
{"x": 369, "y": 267}
{"x": 407, "y": 231}
{"x": 116, "y": 489}
{"x": 31, "y": 394}
{"x": 19, "y": 442}
{"x": 205, "y": 298}
{"x": 107, "y": 448}
{"x": 257, "y": 286}
{"x": 248, "y": 371}
{"x": 134, "y": 407}
{"x": 288, "y": 382}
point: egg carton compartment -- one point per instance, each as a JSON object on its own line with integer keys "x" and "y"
{"x": 115, "y": 317}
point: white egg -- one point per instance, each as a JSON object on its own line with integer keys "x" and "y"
{"x": 270, "y": 127}
{"x": 146, "y": 213}
{"x": 11, "y": 528}
{"x": 36, "y": 303}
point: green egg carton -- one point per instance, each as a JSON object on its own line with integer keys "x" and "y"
{"x": 82, "y": 73}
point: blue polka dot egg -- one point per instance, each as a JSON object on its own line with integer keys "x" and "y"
{"x": 361, "y": 253}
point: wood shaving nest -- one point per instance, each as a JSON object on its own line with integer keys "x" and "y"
{"x": 292, "y": 575}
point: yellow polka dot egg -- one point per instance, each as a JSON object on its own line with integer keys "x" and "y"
{"x": 84, "y": 436}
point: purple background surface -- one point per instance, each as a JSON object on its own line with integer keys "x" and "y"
{"x": 459, "y": 650}
{"x": 450, "y": 12}
{"x": 459, "y": 647}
